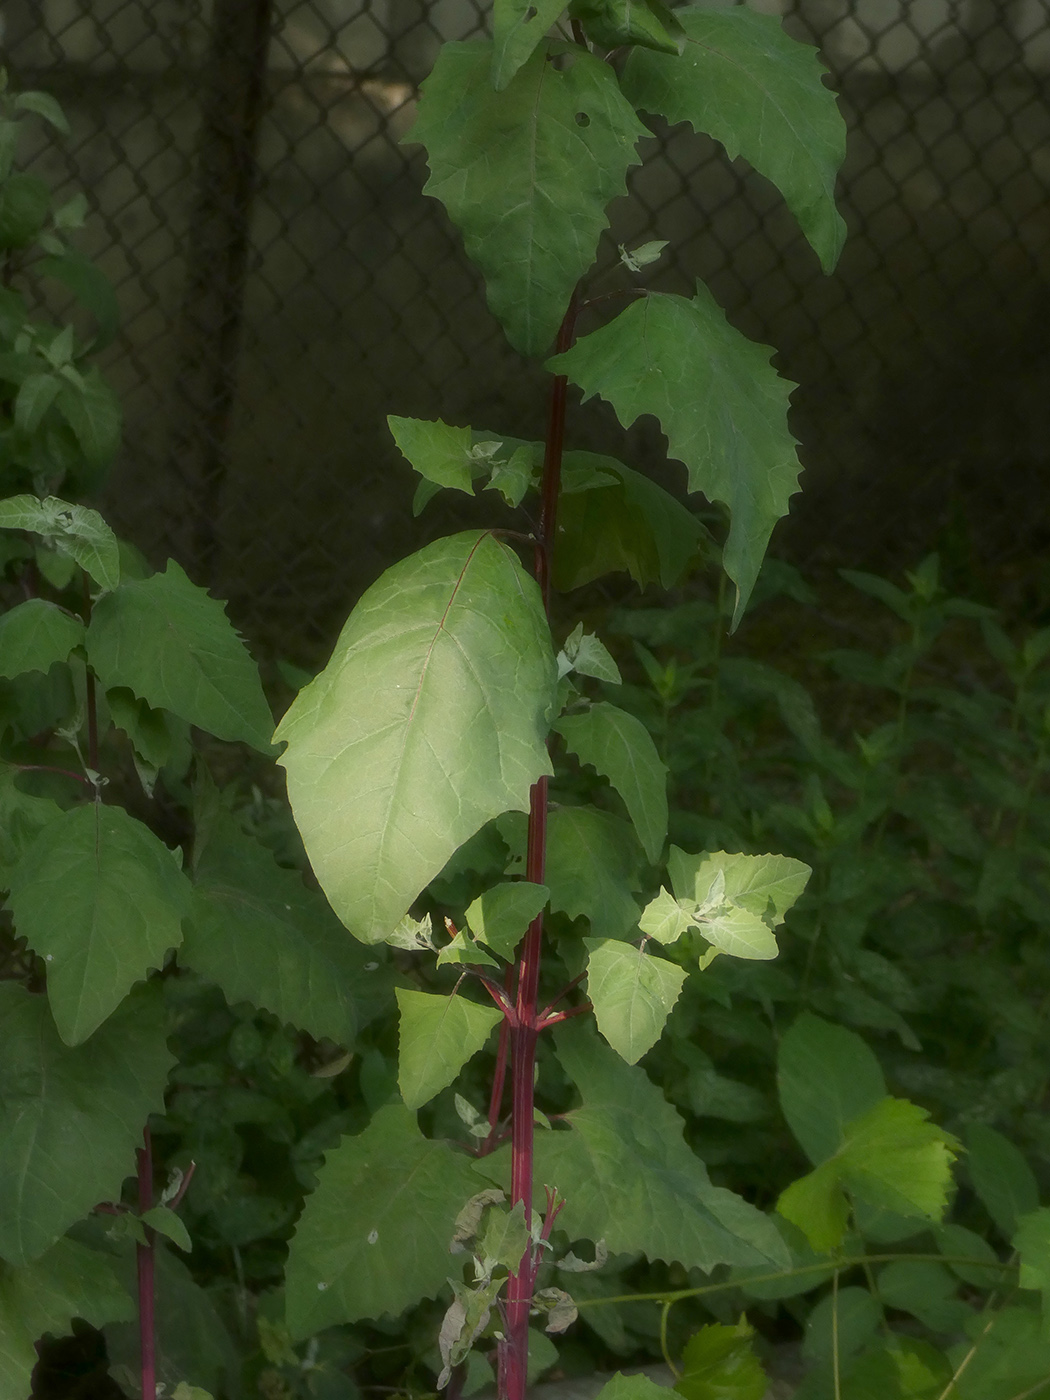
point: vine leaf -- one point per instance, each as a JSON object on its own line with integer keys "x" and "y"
{"x": 518, "y": 26}
{"x": 102, "y": 900}
{"x": 429, "y": 720}
{"x": 36, "y": 634}
{"x": 70, "y": 1119}
{"x": 500, "y": 916}
{"x": 891, "y": 1157}
{"x": 68, "y": 1281}
{"x": 629, "y": 1177}
{"x": 263, "y": 937}
{"x": 623, "y": 521}
{"x": 619, "y": 747}
{"x": 742, "y": 80}
{"x": 718, "y": 400}
{"x": 171, "y": 644}
{"x": 76, "y": 531}
{"x": 438, "y": 1035}
{"x": 392, "y": 1248}
{"x": 526, "y": 173}
{"x": 632, "y": 994}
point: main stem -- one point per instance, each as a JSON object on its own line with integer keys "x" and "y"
{"x": 144, "y": 1258}
{"x": 514, "y": 1348}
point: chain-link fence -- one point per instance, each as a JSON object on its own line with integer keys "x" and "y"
{"x": 284, "y": 285}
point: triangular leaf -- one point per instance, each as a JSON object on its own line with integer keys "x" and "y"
{"x": 894, "y": 1158}
{"x": 736, "y": 931}
{"x": 620, "y": 748}
{"x": 36, "y": 634}
{"x": 438, "y": 1035}
{"x": 741, "y": 79}
{"x": 70, "y": 1120}
{"x": 767, "y": 885}
{"x": 437, "y": 451}
{"x": 526, "y": 173}
{"x": 592, "y": 868}
{"x": 373, "y": 1238}
{"x": 629, "y": 1177}
{"x": 719, "y": 1363}
{"x": 429, "y": 720}
{"x": 173, "y": 645}
{"x": 714, "y": 394}
{"x": 100, "y": 898}
{"x": 665, "y": 919}
{"x": 263, "y": 937}
{"x": 827, "y": 1077}
{"x": 501, "y": 916}
{"x": 68, "y": 1281}
{"x": 632, "y": 994}
{"x": 78, "y": 532}
{"x": 627, "y": 523}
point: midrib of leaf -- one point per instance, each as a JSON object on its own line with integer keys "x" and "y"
{"x": 396, "y": 785}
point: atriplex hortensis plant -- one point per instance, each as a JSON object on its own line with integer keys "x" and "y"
{"x": 445, "y": 701}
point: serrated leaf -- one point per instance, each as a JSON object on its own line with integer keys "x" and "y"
{"x": 718, "y": 400}
{"x": 171, "y": 644}
{"x": 718, "y": 1363}
{"x": 438, "y": 451}
{"x": 632, "y": 994}
{"x": 256, "y": 931}
{"x": 585, "y": 654}
{"x": 429, "y": 720}
{"x": 665, "y": 919}
{"x": 629, "y": 1177}
{"x": 625, "y": 522}
{"x": 70, "y": 1119}
{"x": 36, "y": 634}
{"x": 592, "y": 868}
{"x": 99, "y": 897}
{"x": 739, "y": 933}
{"x": 1003, "y": 1180}
{"x": 438, "y": 1035}
{"x": 373, "y": 1238}
{"x": 827, "y": 1077}
{"x": 767, "y": 885}
{"x": 742, "y": 80}
{"x": 78, "y": 532}
{"x": 619, "y": 747}
{"x": 164, "y": 1220}
{"x": 526, "y": 173}
{"x": 894, "y": 1158}
{"x": 501, "y": 916}
{"x": 68, "y": 1281}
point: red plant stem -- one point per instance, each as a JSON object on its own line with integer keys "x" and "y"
{"x": 144, "y": 1257}
{"x": 513, "y": 1350}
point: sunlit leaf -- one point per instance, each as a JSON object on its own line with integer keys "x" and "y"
{"x": 438, "y": 1035}
{"x": 78, "y": 532}
{"x": 501, "y": 916}
{"x": 632, "y": 994}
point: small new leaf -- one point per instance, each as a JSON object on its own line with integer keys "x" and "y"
{"x": 666, "y": 918}
{"x": 646, "y": 253}
{"x": 558, "y": 1305}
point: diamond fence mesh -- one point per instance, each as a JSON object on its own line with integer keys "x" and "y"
{"x": 284, "y": 285}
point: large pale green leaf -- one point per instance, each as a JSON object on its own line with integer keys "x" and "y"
{"x": 429, "y": 720}
{"x": 70, "y": 1119}
{"x": 592, "y": 869}
{"x": 767, "y": 885}
{"x": 629, "y": 1178}
{"x": 438, "y": 1035}
{"x": 68, "y": 1281}
{"x": 374, "y": 1237}
{"x": 720, "y": 403}
{"x": 742, "y": 80}
{"x": 101, "y": 899}
{"x": 632, "y": 994}
{"x": 624, "y": 521}
{"x": 826, "y": 1076}
{"x": 501, "y": 916}
{"x": 75, "y": 530}
{"x": 173, "y": 645}
{"x": 263, "y": 937}
{"x": 526, "y": 173}
{"x": 618, "y": 746}
{"x": 518, "y": 26}
{"x": 36, "y": 634}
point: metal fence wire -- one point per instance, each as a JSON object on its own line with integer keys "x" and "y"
{"x": 284, "y": 285}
